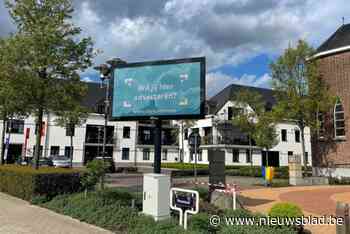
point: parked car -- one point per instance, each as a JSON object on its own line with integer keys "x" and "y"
{"x": 43, "y": 162}
{"x": 61, "y": 161}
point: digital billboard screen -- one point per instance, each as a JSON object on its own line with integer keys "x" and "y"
{"x": 170, "y": 89}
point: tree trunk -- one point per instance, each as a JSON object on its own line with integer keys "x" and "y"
{"x": 4, "y": 123}
{"x": 71, "y": 148}
{"x": 302, "y": 128}
{"x": 39, "y": 123}
{"x": 250, "y": 155}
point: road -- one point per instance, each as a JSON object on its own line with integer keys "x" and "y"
{"x": 19, "y": 217}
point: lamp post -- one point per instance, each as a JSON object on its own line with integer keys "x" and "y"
{"x": 106, "y": 74}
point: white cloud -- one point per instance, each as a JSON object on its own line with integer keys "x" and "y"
{"x": 87, "y": 79}
{"x": 225, "y": 31}
{"x": 217, "y": 81}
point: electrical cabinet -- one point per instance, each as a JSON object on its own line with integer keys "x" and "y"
{"x": 156, "y": 188}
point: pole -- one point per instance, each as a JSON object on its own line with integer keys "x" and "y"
{"x": 106, "y": 120}
{"x": 157, "y": 146}
{"x": 195, "y": 158}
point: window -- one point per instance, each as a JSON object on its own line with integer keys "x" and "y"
{"x": 339, "y": 120}
{"x": 54, "y": 150}
{"x": 165, "y": 154}
{"x": 284, "y": 134}
{"x": 126, "y": 132}
{"x": 147, "y": 135}
{"x": 15, "y": 126}
{"x": 248, "y": 156}
{"x": 68, "y": 151}
{"x": 290, "y": 153}
{"x": 297, "y": 135}
{"x": 229, "y": 113}
{"x": 235, "y": 155}
{"x": 307, "y": 158}
{"x": 70, "y": 130}
{"x": 100, "y": 108}
{"x": 40, "y": 151}
{"x": 146, "y": 154}
{"x": 186, "y": 134}
{"x": 200, "y": 156}
{"x": 125, "y": 153}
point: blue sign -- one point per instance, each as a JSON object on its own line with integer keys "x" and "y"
{"x": 170, "y": 89}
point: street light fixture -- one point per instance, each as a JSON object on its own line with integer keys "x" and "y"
{"x": 106, "y": 74}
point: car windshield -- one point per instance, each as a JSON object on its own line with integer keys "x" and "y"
{"x": 60, "y": 158}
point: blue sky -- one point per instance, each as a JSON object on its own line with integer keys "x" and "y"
{"x": 239, "y": 38}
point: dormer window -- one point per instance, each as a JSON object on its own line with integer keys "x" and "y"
{"x": 339, "y": 120}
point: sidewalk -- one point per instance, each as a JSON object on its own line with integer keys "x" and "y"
{"x": 19, "y": 217}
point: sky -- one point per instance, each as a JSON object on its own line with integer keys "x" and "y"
{"x": 239, "y": 38}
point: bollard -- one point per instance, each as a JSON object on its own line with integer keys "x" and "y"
{"x": 342, "y": 211}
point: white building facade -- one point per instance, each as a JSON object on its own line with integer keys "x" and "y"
{"x": 130, "y": 143}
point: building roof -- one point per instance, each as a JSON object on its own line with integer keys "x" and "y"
{"x": 339, "y": 39}
{"x": 225, "y": 95}
{"x": 94, "y": 96}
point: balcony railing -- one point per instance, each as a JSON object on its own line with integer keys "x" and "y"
{"x": 165, "y": 141}
{"x": 219, "y": 140}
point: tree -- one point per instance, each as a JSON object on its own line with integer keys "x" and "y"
{"x": 265, "y": 134}
{"x": 250, "y": 107}
{"x": 183, "y": 126}
{"x": 74, "y": 115}
{"x": 255, "y": 120}
{"x": 12, "y": 102}
{"x": 53, "y": 55}
{"x": 300, "y": 92}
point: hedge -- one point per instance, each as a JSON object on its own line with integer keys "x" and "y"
{"x": 186, "y": 169}
{"x": 27, "y": 183}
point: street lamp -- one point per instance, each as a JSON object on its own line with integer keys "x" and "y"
{"x": 106, "y": 74}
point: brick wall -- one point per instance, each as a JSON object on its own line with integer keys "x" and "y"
{"x": 335, "y": 70}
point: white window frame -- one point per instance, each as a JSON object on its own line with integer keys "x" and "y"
{"x": 335, "y": 120}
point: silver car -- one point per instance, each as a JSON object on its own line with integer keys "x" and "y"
{"x": 61, "y": 161}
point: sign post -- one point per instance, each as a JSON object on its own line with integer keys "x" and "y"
{"x": 158, "y": 90}
{"x": 184, "y": 201}
{"x": 157, "y": 146}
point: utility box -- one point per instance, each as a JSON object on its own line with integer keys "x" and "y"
{"x": 156, "y": 188}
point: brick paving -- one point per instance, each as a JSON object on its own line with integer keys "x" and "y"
{"x": 314, "y": 200}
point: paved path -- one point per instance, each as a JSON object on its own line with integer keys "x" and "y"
{"x": 318, "y": 201}
{"x": 19, "y": 217}
{"x": 314, "y": 200}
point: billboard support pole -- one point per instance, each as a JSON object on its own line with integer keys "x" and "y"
{"x": 157, "y": 146}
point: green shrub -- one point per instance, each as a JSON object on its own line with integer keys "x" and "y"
{"x": 109, "y": 209}
{"x": 26, "y": 183}
{"x": 285, "y": 209}
{"x": 189, "y": 172}
{"x": 339, "y": 181}
{"x": 185, "y": 166}
{"x": 37, "y": 200}
{"x": 96, "y": 171}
